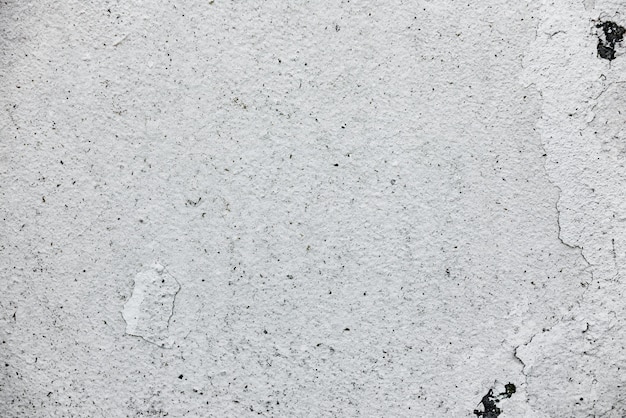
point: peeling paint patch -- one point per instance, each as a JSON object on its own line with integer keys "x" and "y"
{"x": 489, "y": 402}
{"x": 608, "y": 123}
{"x": 148, "y": 311}
{"x": 589, "y": 4}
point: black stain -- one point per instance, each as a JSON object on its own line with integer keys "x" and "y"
{"x": 612, "y": 33}
{"x": 509, "y": 390}
{"x": 490, "y": 409}
{"x": 490, "y": 402}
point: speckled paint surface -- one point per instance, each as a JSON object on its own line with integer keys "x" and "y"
{"x": 302, "y": 209}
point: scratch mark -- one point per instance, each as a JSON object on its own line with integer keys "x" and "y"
{"x": 119, "y": 41}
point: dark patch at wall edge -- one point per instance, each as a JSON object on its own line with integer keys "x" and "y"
{"x": 612, "y": 34}
{"x": 490, "y": 401}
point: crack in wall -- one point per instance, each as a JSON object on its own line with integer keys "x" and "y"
{"x": 558, "y": 211}
{"x": 544, "y": 127}
{"x": 520, "y": 361}
{"x": 589, "y": 268}
{"x": 581, "y": 135}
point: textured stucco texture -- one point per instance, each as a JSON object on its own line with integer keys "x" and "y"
{"x": 312, "y": 209}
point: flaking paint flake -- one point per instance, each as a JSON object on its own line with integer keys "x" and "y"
{"x": 148, "y": 311}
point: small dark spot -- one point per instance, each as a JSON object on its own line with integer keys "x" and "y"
{"x": 264, "y": 331}
{"x": 192, "y": 203}
{"x": 180, "y": 376}
{"x": 336, "y": 165}
{"x": 346, "y": 329}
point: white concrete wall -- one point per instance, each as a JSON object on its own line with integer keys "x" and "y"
{"x": 311, "y": 208}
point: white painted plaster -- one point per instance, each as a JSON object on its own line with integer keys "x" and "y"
{"x": 364, "y": 209}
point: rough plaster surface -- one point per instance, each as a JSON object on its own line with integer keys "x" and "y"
{"x": 219, "y": 208}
